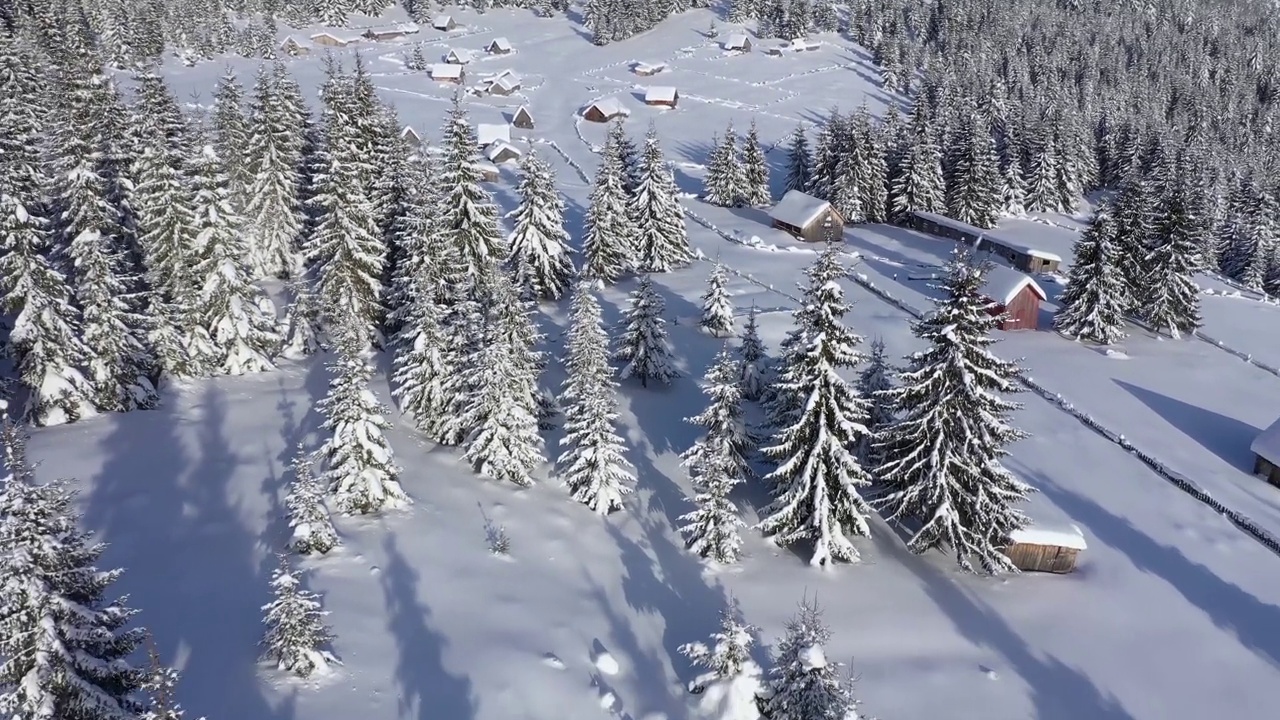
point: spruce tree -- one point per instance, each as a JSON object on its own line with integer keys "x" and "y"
{"x": 816, "y": 485}
{"x": 1094, "y": 304}
{"x": 540, "y": 253}
{"x": 470, "y": 218}
{"x": 296, "y": 633}
{"x": 755, "y": 171}
{"x": 462, "y": 349}
{"x": 973, "y": 184}
{"x": 799, "y": 162}
{"x": 1169, "y": 296}
{"x": 717, "y": 306}
{"x": 661, "y": 241}
{"x": 608, "y": 245}
{"x": 619, "y": 146}
{"x": 1134, "y": 213}
{"x": 593, "y": 466}
{"x": 874, "y": 384}
{"x": 918, "y": 184}
{"x": 874, "y": 170}
{"x": 730, "y": 684}
{"x": 643, "y": 346}
{"x": 360, "y": 465}
{"x": 941, "y": 457}
{"x": 65, "y": 647}
{"x": 161, "y": 687}
{"x": 231, "y": 138}
{"x": 805, "y": 684}
{"x": 724, "y": 182}
{"x": 272, "y": 158}
{"x": 422, "y": 362}
{"x": 1013, "y": 195}
{"x": 753, "y": 358}
{"x": 302, "y": 328}
{"x": 313, "y": 530}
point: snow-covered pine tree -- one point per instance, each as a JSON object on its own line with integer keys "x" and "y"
{"x": 799, "y": 161}
{"x": 463, "y": 346}
{"x": 918, "y": 185}
{"x": 1042, "y": 177}
{"x": 816, "y": 485}
{"x": 643, "y": 345}
{"x": 313, "y": 529}
{"x": 593, "y": 466}
{"x": 870, "y": 156}
{"x": 973, "y": 183}
{"x": 608, "y": 245}
{"x": 755, "y": 171}
{"x": 1168, "y": 295}
{"x": 272, "y": 158}
{"x": 470, "y": 217}
{"x": 65, "y": 647}
{"x": 942, "y": 455}
{"x": 296, "y": 634}
{"x": 724, "y": 180}
{"x": 242, "y": 336}
{"x": 619, "y": 146}
{"x": 874, "y": 384}
{"x": 1013, "y": 194}
{"x": 1094, "y": 304}
{"x": 1134, "y": 214}
{"x": 717, "y": 306}
{"x": 417, "y": 253}
{"x": 231, "y": 138}
{"x": 805, "y": 684}
{"x": 302, "y": 328}
{"x": 661, "y": 241}
{"x": 161, "y": 687}
{"x": 730, "y": 684}
{"x": 540, "y": 253}
{"x": 827, "y": 157}
{"x": 752, "y": 359}
{"x": 361, "y": 472}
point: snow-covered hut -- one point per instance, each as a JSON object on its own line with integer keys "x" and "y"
{"x": 1014, "y": 295}
{"x": 807, "y": 217}
{"x": 411, "y": 136}
{"x": 739, "y": 42}
{"x": 384, "y": 34}
{"x": 1266, "y": 454}
{"x": 490, "y": 133}
{"x": 447, "y": 73}
{"x": 523, "y": 119}
{"x": 488, "y": 171}
{"x": 329, "y": 39}
{"x": 498, "y": 46}
{"x": 647, "y": 69}
{"x": 504, "y": 84}
{"x": 661, "y": 95}
{"x": 444, "y": 23}
{"x": 1022, "y": 257}
{"x": 502, "y": 152}
{"x": 295, "y": 47}
{"x": 458, "y": 56}
{"x": 605, "y": 110}
{"x": 1045, "y": 548}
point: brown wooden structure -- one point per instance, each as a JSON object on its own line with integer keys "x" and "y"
{"x": 807, "y": 218}
{"x": 1014, "y": 296}
{"x": 1266, "y": 454}
{"x": 661, "y": 96}
{"x": 522, "y": 119}
{"x": 1039, "y": 550}
{"x": 1022, "y": 257}
{"x": 602, "y": 111}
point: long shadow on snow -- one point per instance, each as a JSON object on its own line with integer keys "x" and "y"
{"x": 1226, "y": 437}
{"x": 427, "y": 689}
{"x": 294, "y": 431}
{"x": 1059, "y": 691}
{"x": 193, "y": 563}
{"x": 1251, "y": 620}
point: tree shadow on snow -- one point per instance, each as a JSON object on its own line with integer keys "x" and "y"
{"x": 1251, "y": 620}
{"x": 194, "y": 565}
{"x": 1226, "y": 437}
{"x": 427, "y": 689}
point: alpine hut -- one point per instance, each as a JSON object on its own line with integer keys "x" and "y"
{"x": 1014, "y": 296}
{"x": 807, "y": 217}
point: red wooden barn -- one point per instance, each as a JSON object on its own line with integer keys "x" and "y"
{"x": 1014, "y": 295}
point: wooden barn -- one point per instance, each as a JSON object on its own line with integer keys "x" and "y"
{"x": 648, "y": 69}
{"x": 1014, "y": 295}
{"x": 605, "y": 110}
{"x": 447, "y": 73}
{"x": 807, "y": 217}
{"x": 1026, "y": 259}
{"x": 328, "y": 39}
{"x": 458, "y": 56}
{"x": 411, "y": 137}
{"x": 499, "y": 46}
{"x": 502, "y": 152}
{"x": 661, "y": 95}
{"x": 739, "y": 42}
{"x": 383, "y": 34}
{"x": 444, "y": 23}
{"x": 504, "y": 84}
{"x": 1046, "y": 549}
{"x": 1266, "y": 454}
{"x": 488, "y": 171}
{"x": 523, "y": 119}
{"x": 294, "y": 47}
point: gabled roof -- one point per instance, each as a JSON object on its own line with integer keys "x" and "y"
{"x": 500, "y": 148}
{"x": 442, "y": 22}
{"x": 447, "y": 71}
{"x": 735, "y": 41}
{"x": 387, "y": 30}
{"x": 522, "y": 111}
{"x": 300, "y": 42}
{"x": 408, "y": 133}
{"x": 489, "y": 133}
{"x": 798, "y": 209}
{"x": 610, "y": 106}
{"x": 1267, "y": 444}
{"x": 462, "y": 55}
{"x": 1003, "y": 285}
{"x": 660, "y": 93}
{"x": 500, "y": 43}
{"x": 340, "y": 38}
{"x": 508, "y": 83}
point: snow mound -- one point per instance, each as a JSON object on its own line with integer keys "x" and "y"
{"x": 606, "y": 663}
{"x": 551, "y": 661}
{"x": 608, "y": 700}
{"x": 813, "y": 658}
{"x": 1116, "y": 354}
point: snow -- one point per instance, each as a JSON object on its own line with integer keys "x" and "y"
{"x": 489, "y": 133}
{"x": 813, "y": 658}
{"x": 1003, "y": 285}
{"x": 610, "y": 107}
{"x": 798, "y": 209}
{"x": 446, "y": 71}
{"x": 660, "y": 94}
{"x": 1267, "y": 443}
{"x": 606, "y": 663}
{"x": 1038, "y": 534}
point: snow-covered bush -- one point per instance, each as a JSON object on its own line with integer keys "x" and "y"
{"x": 730, "y": 687}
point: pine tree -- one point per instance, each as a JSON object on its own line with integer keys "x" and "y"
{"x": 161, "y": 689}
{"x": 717, "y": 306}
{"x": 242, "y": 336}
{"x": 619, "y": 147}
{"x": 593, "y": 466}
{"x": 815, "y": 486}
{"x": 1169, "y": 296}
{"x": 752, "y": 356}
{"x": 272, "y": 158}
{"x": 873, "y": 169}
{"x": 540, "y": 252}
{"x": 942, "y": 456}
{"x": 643, "y": 345}
{"x": 1042, "y": 179}
{"x": 918, "y": 185}
{"x": 470, "y": 217}
{"x": 806, "y": 685}
{"x": 874, "y": 384}
{"x": 800, "y": 162}
{"x": 65, "y": 648}
{"x": 231, "y": 138}
{"x": 296, "y": 633}
{"x": 755, "y": 171}
{"x": 608, "y": 245}
{"x": 1093, "y": 306}
{"x": 661, "y": 241}
{"x": 313, "y": 529}
{"x": 361, "y": 471}
{"x": 724, "y": 183}
{"x": 462, "y": 349}
{"x": 973, "y": 185}
{"x": 422, "y": 364}
{"x": 731, "y": 684}
{"x": 1134, "y": 213}
{"x": 302, "y": 329}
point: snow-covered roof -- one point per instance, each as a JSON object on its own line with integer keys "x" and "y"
{"x": 988, "y": 236}
{"x": 1267, "y": 444}
{"x": 500, "y": 43}
{"x": 506, "y": 83}
{"x": 522, "y": 111}
{"x": 344, "y": 39}
{"x": 442, "y": 22}
{"x": 651, "y": 66}
{"x": 408, "y": 28}
{"x": 610, "y": 106}
{"x": 387, "y": 30}
{"x": 1003, "y": 284}
{"x": 461, "y": 55}
{"x": 736, "y": 41}
{"x": 295, "y": 40}
{"x": 408, "y": 133}
{"x": 487, "y": 167}
{"x": 446, "y": 71}
{"x": 798, "y": 209}
{"x": 489, "y": 133}
{"x": 660, "y": 93}
{"x": 495, "y": 151}
{"x": 1066, "y": 536}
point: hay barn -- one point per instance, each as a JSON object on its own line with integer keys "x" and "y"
{"x": 447, "y": 73}
{"x": 1046, "y": 549}
{"x": 328, "y": 39}
{"x": 661, "y": 95}
{"x": 605, "y": 110}
{"x": 807, "y": 218}
{"x": 523, "y": 119}
{"x": 1014, "y": 295}
{"x": 738, "y": 42}
{"x": 444, "y": 23}
{"x": 499, "y": 46}
{"x": 1022, "y": 257}
{"x": 1266, "y": 454}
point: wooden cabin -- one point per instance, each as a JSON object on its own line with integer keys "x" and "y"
{"x": 1266, "y": 454}
{"x": 739, "y": 42}
{"x": 444, "y": 23}
{"x": 1046, "y": 549}
{"x": 488, "y": 172}
{"x": 502, "y": 152}
{"x": 411, "y": 136}
{"x": 499, "y": 46}
{"x": 523, "y": 119}
{"x": 661, "y": 95}
{"x": 447, "y": 73}
{"x": 293, "y": 47}
{"x": 602, "y": 111}
{"x": 807, "y": 218}
{"x": 328, "y": 39}
{"x": 1015, "y": 297}
{"x": 504, "y": 84}
{"x": 1022, "y": 257}
{"x": 648, "y": 69}
{"x": 383, "y": 34}
{"x": 458, "y": 56}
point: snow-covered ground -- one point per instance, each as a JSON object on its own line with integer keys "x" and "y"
{"x": 1172, "y": 614}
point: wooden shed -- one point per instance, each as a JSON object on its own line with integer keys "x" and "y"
{"x": 294, "y": 47}
{"x": 1266, "y": 454}
{"x": 490, "y": 133}
{"x": 739, "y": 42}
{"x": 411, "y": 136}
{"x": 328, "y": 39}
{"x": 502, "y": 152}
{"x": 488, "y": 171}
{"x": 383, "y": 34}
{"x": 661, "y": 95}
{"x": 1015, "y": 296}
{"x": 1022, "y": 257}
{"x": 807, "y": 217}
{"x": 498, "y": 46}
{"x": 1046, "y": 549}
{"x": 602, "y": 111}
{"x": 447, "y": 73}
{"x": 523, "y": 119}
{"x": 444, "y": 23}
{"x": 504, "y": 84}
{"x": 458, "y": 56}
